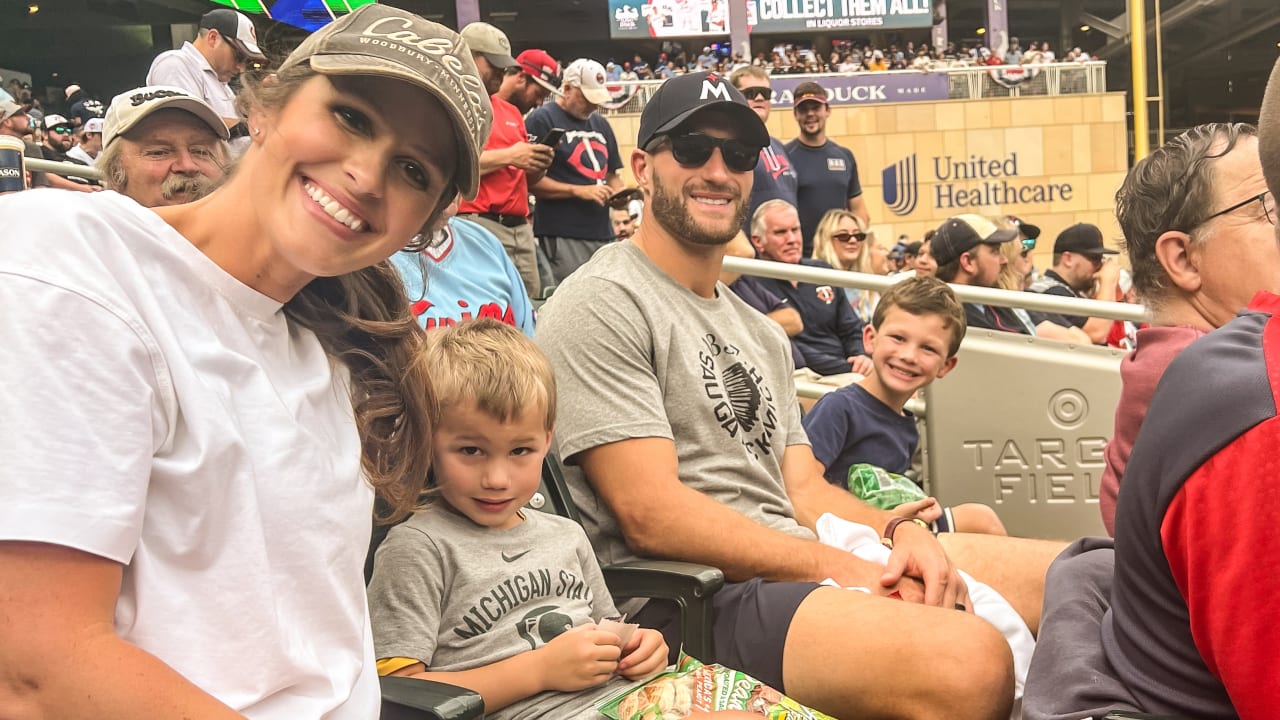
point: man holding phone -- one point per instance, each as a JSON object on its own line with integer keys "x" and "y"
{"x": 1080, "y": 269}
{"x": 511, "y": 162}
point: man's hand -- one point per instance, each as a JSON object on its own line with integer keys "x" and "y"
{"x": 598, "y": 194}
{"x": 917, "y": 554}
{"x": 644, "y": 655}
{"x": 531, "y": 157}
{"x": 860, "y": 364}
{"x": 580, "y": 658}
{"x": 1108, "y": 275}
{"x": 928, "y": 510}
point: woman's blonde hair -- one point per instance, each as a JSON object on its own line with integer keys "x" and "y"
{"x": 362, "y": 319}
{"x": 824, "y": 249}
{"x": 1010, "y": 278}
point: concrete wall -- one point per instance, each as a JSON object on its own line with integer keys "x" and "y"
{"x": 1072, "y": 141}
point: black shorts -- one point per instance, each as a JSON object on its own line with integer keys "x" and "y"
{"x": 751, "y": 626}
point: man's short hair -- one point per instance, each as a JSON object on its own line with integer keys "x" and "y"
{"x": 766, "y": 207}
{"x": 1171, "y": 189}
{"x": 735, "y": 78}
{"x": 925, "y": 295}
{"x": 491, "y": 365}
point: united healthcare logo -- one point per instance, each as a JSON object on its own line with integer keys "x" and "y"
{"x": 900, "y": 187}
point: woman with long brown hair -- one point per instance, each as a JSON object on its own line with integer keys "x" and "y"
{"x": 202, "y": 400}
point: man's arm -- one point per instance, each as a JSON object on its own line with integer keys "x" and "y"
{"x": 638, "y": 479}
{"x": 789, "y": 319}
{"x": 57, "y": 181}
{"x": 547, "y": 189}
{"x": 532, "y": 158}
{"x": 858, "y": 206}
{"x": 1053, "y": 331}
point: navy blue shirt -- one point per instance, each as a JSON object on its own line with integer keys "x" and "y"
{"x": 775, "y": 179}
{"x": 1053, "y": 284}
{"x": 851, "y": 426}
{"x": 828, "y": 178}
{"x": 586, "y": 156}
{"x": 763, "y": 300}
{"x": 832, "y": 329}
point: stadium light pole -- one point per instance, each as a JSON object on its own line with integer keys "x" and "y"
{"x": 1138, "y": 58}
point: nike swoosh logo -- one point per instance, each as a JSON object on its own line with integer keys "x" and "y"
{"x": 515, "y": 557}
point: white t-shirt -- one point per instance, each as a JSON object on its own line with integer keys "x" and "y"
{"x": 161, "y": 414}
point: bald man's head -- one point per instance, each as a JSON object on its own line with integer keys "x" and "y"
{"x": 1269, "y": 132}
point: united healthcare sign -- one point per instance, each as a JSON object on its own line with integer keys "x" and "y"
{"x": 959, "y": 183}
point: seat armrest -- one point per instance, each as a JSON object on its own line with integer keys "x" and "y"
{"x": 405, "y": 698}
{"x": 689, "y": 585}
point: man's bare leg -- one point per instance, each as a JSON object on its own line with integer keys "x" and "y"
{"x": 1015, "y": 567}
{"x": 852, "y": 655}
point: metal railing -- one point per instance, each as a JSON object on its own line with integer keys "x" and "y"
{"x": 63, "y": 168}
{"x": 966, "y": 293}
{"x": 964, "y": 83}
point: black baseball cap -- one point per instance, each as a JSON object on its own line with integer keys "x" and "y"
{"x": 1082, "y": 239}
{"x": 808, "y": 91}
{"x": 679, "y": 98}
{"x": 1026, "y": 228}
{"x": 236, "y": 29}
{"x": 962, "y": 233}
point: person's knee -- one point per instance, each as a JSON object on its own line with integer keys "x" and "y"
{"x": 981, "y": 519}
{"x": 981, "y": 686}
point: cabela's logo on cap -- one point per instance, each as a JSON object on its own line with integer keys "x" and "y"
{"x": 439, "y": 53}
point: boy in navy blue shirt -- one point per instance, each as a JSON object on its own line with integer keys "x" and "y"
{"x": 912, "y": 340}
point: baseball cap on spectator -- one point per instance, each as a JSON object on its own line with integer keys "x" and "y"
{"x": 9, "y": 108}
{"x": 1082, "y": 239}
{"x": 52, "y": 121}
{"x": 1026, "y": 228}
{"x": 679, "y": 98}
{"x": 588, "y": 75}
{"x": 447, "y": 72}
{"x": 93, "y": 125}
{"x": 540, "y": 66}
{"x": 490, "y": 43}
{"x": 130, "y": 108}
{"x": 962, "y": 233}
{"x": 236, "y": 29}
{"x": 808, "y": 91}
{"x": 71, "y": 90}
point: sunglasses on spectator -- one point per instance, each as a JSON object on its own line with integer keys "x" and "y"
{"x": 1028, "y": 244}
{"x": 844, "y": 237}
{"x": 62, "y": 129}
{"x": 693, "y": 150}
{"x": 757, "y": 93}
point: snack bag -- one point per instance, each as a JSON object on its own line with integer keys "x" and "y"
{"x": 693, "y": 686}
{"x": 882, "y": 489}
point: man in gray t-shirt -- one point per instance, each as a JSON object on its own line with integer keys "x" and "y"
{"x": 679, "y": 423}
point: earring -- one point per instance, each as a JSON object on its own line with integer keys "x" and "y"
{"x": 257, "y": 132}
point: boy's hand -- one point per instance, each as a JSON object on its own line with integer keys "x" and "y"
{"x": 928, "y": 509}
{"x": 583, "y": 657}
{"x": 644, "y": 655}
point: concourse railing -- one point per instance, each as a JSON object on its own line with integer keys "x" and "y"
{"x": 63, "y": 168}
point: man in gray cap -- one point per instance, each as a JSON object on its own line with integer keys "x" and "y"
{"x": 680, "y": 430}
{"x": 491, "y": 50}
{"x": 162, "y": 146}
{"x": 225, "y": 44}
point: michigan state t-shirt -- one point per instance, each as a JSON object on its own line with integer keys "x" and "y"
{"x": 456, "y": 596}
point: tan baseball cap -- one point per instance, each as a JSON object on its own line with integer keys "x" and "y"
{"x": 588, "y": 75}
{"x": 487, "y": 40}
{"x": 129, "y": 108}
{"x": 388, "y": 42}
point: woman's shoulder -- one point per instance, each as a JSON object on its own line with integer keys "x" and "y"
{"x": 52, "y": 225}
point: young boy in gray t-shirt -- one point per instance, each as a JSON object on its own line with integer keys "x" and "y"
{"x": 473, "y": 590}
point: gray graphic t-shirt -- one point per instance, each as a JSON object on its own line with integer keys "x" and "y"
{"x": 638, "y": 355}
{"x": 457, "y": 596}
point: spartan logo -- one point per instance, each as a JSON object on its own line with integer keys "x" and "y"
{"x": 715, "y": 87}
{"x": 901, "y": 190}
{"x": 541, "y": 625}
{"x": 740, "y": 399}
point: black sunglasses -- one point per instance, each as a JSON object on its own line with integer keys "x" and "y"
{"x": 757, "y": 93}
{"x": 693, "y": 150}
{"x": 844, "y": 237}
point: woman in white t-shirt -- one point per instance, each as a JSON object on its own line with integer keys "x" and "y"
{"x": 200, "y": 401}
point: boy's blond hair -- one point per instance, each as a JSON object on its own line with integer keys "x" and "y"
{"x": 925, "y": 295}
{"x": 491, "y": 365}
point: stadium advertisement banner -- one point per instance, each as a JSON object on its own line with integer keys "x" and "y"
{"x": 867, "y": 88}
{"x": 696, "y": 18}
{"x": 668, "y": 18}
{"x": 798, "y": 16}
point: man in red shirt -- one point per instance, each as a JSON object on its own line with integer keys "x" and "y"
{"x": 510, "y": 162}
